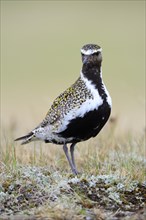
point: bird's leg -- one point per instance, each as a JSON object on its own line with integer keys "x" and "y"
{"x": 69, "y": 160}
{"x": 72, "y": 147}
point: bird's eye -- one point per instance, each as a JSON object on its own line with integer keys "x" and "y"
{"x": 97, "y": 53}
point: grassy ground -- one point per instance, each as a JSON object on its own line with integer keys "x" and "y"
{"x": 36, "y": 181}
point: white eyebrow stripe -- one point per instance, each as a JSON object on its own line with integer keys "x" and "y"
{"x": 90, "y": 51}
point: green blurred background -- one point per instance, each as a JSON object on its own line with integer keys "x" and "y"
{"x": 40, "y": 56}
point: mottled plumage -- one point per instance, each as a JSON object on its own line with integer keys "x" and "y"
{"x": 80, "y": 112}
{"x": 72, "y": 98}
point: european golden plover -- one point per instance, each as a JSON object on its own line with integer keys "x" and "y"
{"x": 80, "y": 112}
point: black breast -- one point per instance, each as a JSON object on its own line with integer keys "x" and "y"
{"x": 83, "y": 128}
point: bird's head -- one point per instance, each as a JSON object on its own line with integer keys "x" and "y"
{"x": 91, "y": 53}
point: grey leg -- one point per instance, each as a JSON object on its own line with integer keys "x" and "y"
{"x": 72, "y": 147}
{"x": 69, "y": 160}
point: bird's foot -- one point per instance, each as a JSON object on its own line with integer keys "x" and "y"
{"x": 75, "y": 171}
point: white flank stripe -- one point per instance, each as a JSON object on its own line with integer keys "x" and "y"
{"x": 88, "y": 105}
{"x": 97, "y": 100}
{"x": 108, "y": 99}
{"x": 49, "y": 132}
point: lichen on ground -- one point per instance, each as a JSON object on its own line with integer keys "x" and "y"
{"x": 29, "y": 192}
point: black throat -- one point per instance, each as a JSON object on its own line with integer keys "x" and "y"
{"x": 93, "y": 73}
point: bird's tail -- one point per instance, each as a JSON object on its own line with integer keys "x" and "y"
{"x": 27, "y": 138}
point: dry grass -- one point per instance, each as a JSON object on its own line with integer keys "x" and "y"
{"x": 112, "y": 167}
{"x": 36, "y": 181}
{"x": 121, "y": 154}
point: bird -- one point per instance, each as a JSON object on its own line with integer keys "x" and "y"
{"x": 80, "y": 112}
